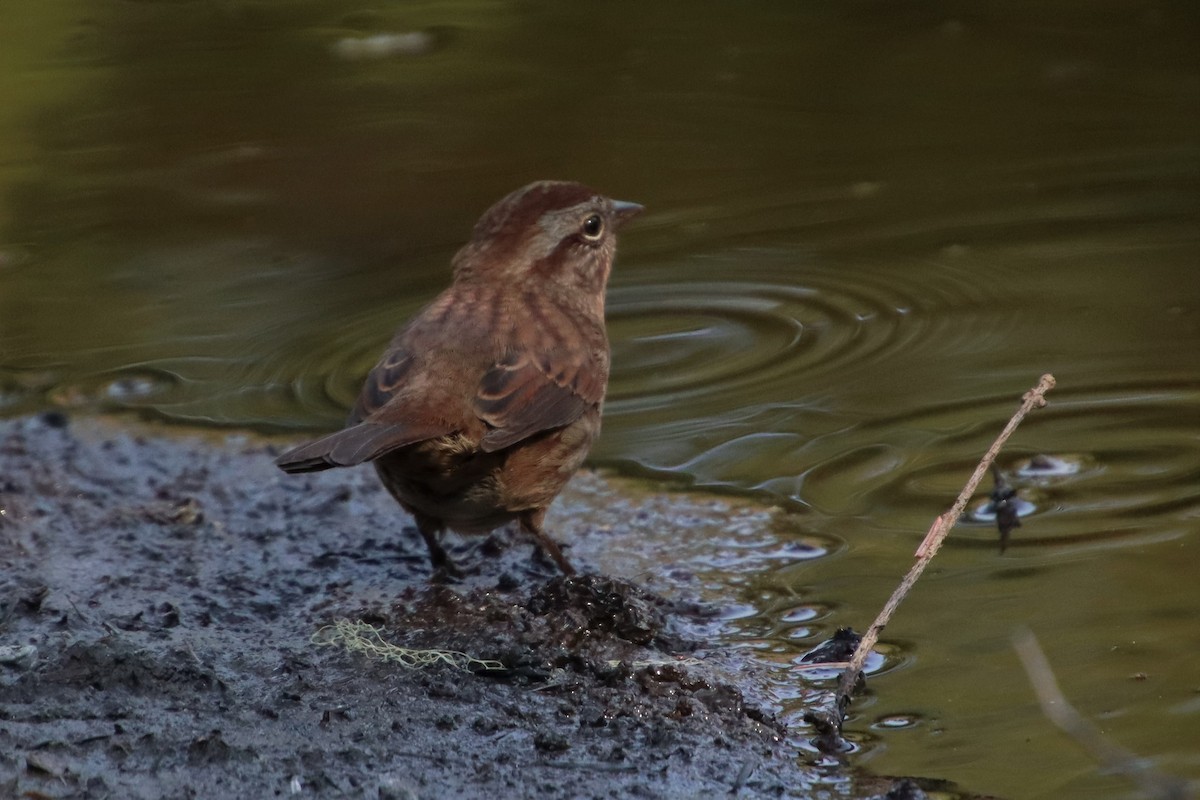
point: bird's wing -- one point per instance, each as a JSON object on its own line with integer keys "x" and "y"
{"x": 522, "y": 395}
{"x": 383, "y": 383}
{"x": 355, "y": 445}
{"x": 382, "y": 421}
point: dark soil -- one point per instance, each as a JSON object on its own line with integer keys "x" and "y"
{"x": 159, "y": 596}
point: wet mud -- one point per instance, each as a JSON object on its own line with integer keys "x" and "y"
{"x": 168, "y": 613}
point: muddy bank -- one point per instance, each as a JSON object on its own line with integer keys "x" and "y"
{"x": 161, "y": 591}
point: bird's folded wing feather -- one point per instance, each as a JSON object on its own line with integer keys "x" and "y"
{"x": 355, "y": 445}
{"x": 377, "y": 424}
{"x": 383, "y": 383}
{"x": 519, "y": 397}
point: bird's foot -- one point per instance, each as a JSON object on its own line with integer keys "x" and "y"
{"x": 447, "y": 572}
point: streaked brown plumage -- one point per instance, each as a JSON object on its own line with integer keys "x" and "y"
{"x": 487, "y": 401}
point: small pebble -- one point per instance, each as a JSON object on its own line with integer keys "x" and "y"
{"x": 18, "y": 656}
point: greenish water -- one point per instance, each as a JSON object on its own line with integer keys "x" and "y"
{"x": 871, "y": 226}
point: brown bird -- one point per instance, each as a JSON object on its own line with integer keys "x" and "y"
{"x": 487, "y": 402}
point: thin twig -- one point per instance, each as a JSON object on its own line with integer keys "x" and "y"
{"x": 1061, "y": 713}
{"x": 1034, "y": 398}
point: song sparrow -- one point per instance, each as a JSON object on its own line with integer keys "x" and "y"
{"x": 486, "y": 402}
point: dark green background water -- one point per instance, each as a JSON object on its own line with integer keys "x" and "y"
{"x": 871, "y": 226}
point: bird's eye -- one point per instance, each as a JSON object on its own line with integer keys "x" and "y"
{"x": 593, "y": 226}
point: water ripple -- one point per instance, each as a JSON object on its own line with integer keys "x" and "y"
{"x": 714, "y": 339}
{"x": 1141, "y": 476}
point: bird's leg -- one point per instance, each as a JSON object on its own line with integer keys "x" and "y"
{"x": 531, "y": 521}
{"x": 443, "y": 565}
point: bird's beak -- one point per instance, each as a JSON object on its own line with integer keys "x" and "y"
{"x": 623, "y": 211}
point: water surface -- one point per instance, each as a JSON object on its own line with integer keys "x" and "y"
{"x": 870, "y": 228}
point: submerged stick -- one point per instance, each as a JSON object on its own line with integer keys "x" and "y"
{"x": 1034, "y": 398}
{"x": 1114, "y": 758}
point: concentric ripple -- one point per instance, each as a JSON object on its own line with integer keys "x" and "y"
{"x": 729, "y": 380}
{"x": 324, "y": 379}
{"x": 712, "y": 338}
{"x": 1098, "y": 466}
{"x": 313, "y": 384}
